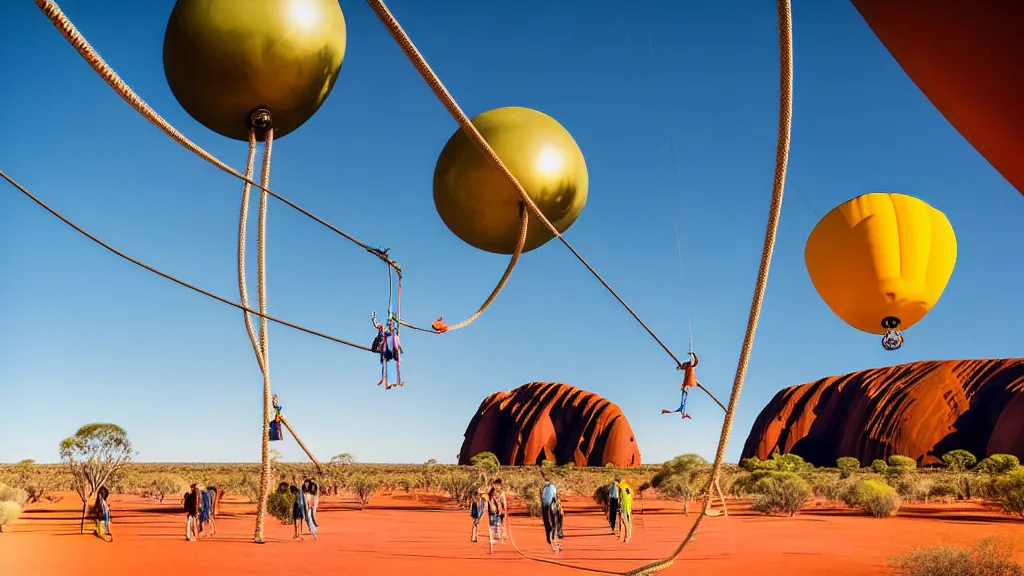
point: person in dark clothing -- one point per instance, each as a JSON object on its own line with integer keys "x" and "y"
{"x": 191, "y": 505}
{"x": 312, "y": 502}
{"x": 298, "y": 510}
{"x": 613, "y": 503}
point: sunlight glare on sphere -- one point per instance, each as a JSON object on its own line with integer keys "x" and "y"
{"x": 479, "y": 205}
{"x": 223, "y": 59}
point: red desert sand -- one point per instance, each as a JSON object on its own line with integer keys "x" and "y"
{"x": 410, "y": 534}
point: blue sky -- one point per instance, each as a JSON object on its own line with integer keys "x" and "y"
{"x": 85, "y": 336}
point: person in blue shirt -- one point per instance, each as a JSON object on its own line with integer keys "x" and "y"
{"x": 548, "y": 494}
{"x": 613, "y": 503}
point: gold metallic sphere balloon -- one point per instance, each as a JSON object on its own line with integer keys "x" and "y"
{"x": 482, "y": 208}
{"x": 226, "y": 58}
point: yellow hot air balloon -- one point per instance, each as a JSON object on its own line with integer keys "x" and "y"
{"x": 881, "y": 261}
{"x": 224, "y": 59}
{"x": 482, "y": 208}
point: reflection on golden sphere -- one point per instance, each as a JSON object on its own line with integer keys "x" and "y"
{"x": 225, "y": 58}
{"x": 482, "y": 208}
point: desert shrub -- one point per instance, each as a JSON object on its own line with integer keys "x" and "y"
{"x": 784, "y": 492}
{"x": 9, "y": 512}
{"x": 486, "y": 461}
{"x": 998, "y": 464}
{"x": 959, "y": 460}
{"x": 988, "y": 557}
{"x": 878, "y": 466}
{"x": 752, "y": 463}
{"x": 462, "y": 487}
{"x": 901, "y": 462}
{"x": 874, "y": 497}
{"x": 530, "y": 495}
{"x": 944, "y": 490}
{"x": 364, "y": 486}
{"x": 829, "y": 487}
{"x": 279, "y": 505}
{"x": 674, "y": 488}
{"x": 1009, "y": 491}
{"x": 158, "y": 486}
{"x": 847, "y": 465}
{"x": 12, "y": 494}
{"x": 600, "y": 496}
{"x": 911, "y": 488}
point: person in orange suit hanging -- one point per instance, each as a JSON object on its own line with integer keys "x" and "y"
{"x": 689, "y": 381}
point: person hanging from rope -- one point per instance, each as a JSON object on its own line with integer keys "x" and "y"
{"x": 275, "y": 432}
{"x": 386, "y": 343}
{"x": 689, "y": 381}
{"x": 389, "y": 347}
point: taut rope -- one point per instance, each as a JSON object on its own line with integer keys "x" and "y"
{"x": 435, "y": 84}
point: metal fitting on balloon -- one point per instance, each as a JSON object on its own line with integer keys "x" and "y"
{"x": 892, "y": 340}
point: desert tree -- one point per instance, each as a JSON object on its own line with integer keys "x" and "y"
{"x": 94, "y": 453}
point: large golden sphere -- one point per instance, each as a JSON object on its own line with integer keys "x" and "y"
{"x": 225, "y": 58}
{"x": 482, "y": 208}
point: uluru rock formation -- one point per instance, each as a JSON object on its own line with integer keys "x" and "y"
{"x": 921, "y": 410}
{"x": 550, "y": 421}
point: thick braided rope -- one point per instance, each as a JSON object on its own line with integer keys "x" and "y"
{"x": 435, "y": 84}
{"x": 524, "y": 224}
{"x": 774, "y": 212}
{"x": 100, "y": 66}
{"x": 261, "y": 295}
{"x": 243, "y": 222}
{"x": 302, "y": 445}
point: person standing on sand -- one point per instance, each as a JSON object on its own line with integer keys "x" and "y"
{"x": 556, "y": 524}
{"x": 548, "y": 492}
{"x": 307, "y": 508}
{"x": 212, "y": 515}
{"x": 476, "y": 511}
{"x": 191, "y": 505}
{"x": 613, "y": 503}
{"x": 102, "y": 511}
{"x": 297, "y": 512}
{"x": 626, "y": 510}
{"x": 313, "y": 490}
{"x": 497, "y": 506}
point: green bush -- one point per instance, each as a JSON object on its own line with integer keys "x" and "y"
{"x": 878, "y": 466}
{"x": 911, "y": 488}
{"x": 874, "y": 497}
{"x": 989, "y": 557}
{"x": 1009, "y": 491}
{"x": 12, "y": 494}
{"x": 486, "y": 461}
{"x": 959, "y": 460}
{"x": 829, "y": 487}
{"x": 784, "y": 492}
{"x": 462, "y": 487}
{"x": 676, "y": 488}
{"x": 364, "y": 486}
{"x": 999, "y": 464}
{"x": 847, "y": 466}
{"x": 9, "y": 512}
{"x": 279, "y": 505}
{"x": 901, "y": 462}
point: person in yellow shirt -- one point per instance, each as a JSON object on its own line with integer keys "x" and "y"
{"x": 625, "y": 511}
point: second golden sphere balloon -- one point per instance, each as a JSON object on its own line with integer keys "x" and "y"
{"x": 482, "y": 208}
{"x": 225, "y": 58}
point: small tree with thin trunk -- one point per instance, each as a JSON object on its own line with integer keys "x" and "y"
{"x": 94, "y": 453}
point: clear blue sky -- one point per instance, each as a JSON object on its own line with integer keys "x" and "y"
{"x": 85, "y": 336}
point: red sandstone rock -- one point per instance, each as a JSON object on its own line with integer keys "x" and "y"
{"x": 550, "y": 421}
{"x": 921, "y": 410}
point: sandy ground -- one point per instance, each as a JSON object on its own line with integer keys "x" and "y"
{"x": 405, "y": 534}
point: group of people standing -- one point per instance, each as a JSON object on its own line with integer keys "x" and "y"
{"x": 494, "y": 501}
{"x": 200, "y": 512}
{"x": 305, "y": 502}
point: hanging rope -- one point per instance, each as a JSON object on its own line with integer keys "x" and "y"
{"x": 432, "y": 80}
{"x": 167, "y": 276}
{"x": 243, "y": 222}
{"x": 778, "y": 187}
{"x": 440, "y": 327}
{"x": 92, "y": 57}
{"x": 264, "y": 342}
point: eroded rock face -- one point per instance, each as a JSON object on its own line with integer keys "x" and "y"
{"x": 550, "y": 421}
{"x": 921, "y": 410}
